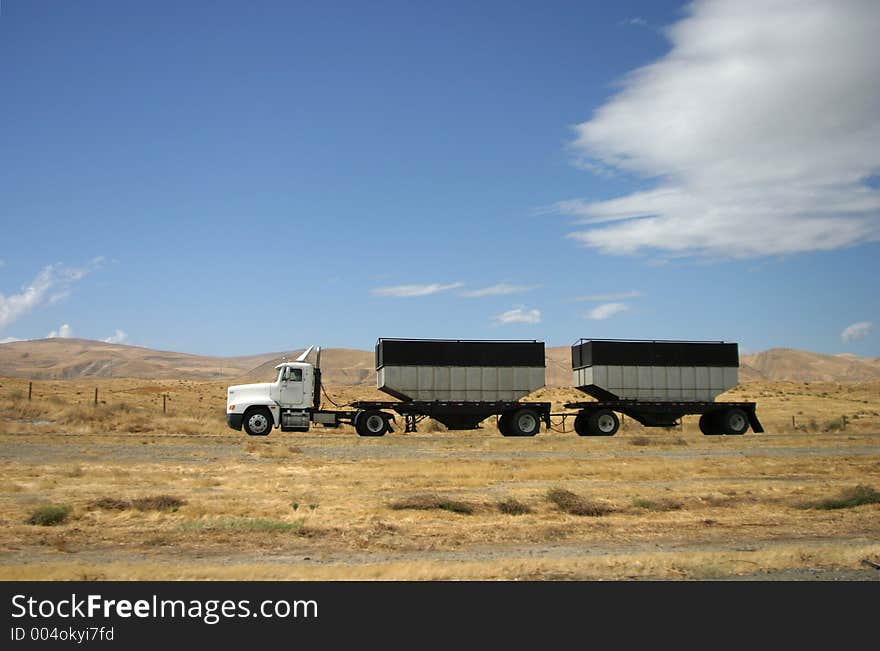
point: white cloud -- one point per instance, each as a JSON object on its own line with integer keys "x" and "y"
{"x": 118, "y": 337}
{"x": 606, "y": 311}
{"x": 9, "y": 340}
{"x": 518, "y": 315}
{"x": 607, "y": 297}
{"x": 501, "y": 289}
{"x": 856, "y": 331}
{"x": 51, "y": 285}
{"x": 760, "y": 130}
{"x": 408, "y": 291}
{"x": 64, "y": 332}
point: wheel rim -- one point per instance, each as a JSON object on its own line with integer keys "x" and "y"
{"x": 258, "y": 423}
{"x": 736, "y": 422}
{"x": 526, "y": 422}
{"x": 605, "y": 422}
{"x": 375, "y": 424}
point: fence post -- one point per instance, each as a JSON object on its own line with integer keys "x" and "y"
{"x": 96, "y": 395}
{"x": 793, "y": 424}
{"x": 843, "y": 422}
{"x": 30, "y": 390}
{"x": 164, "y": 395}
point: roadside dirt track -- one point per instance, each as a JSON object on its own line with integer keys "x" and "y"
{"x": 320, "y": 506}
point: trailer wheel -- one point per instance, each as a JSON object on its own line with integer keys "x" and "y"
{"x": 523, "y": 422}
{"x": 734, "y": 422}
{"x": 581, "y": 424}
{"x": 709, "y": 424}
{"x": 504, "y": 424}
{"x": 371, "y": 423}
{"x": 258, "y": 421}
{"x": 603, "y": 422}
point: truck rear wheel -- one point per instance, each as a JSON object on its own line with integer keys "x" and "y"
{"x": 371, "y": 423}
{"x": 734, "y": 422}
{"x": 258, "y": 421}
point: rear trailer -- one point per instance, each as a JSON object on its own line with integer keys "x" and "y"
{"x": 657, "y": 383}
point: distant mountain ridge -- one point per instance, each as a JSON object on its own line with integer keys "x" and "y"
{"x": 82, "y": 358}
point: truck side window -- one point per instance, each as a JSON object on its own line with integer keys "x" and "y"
{"x": 296, "y": 375}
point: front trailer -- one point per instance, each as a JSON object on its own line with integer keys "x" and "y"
{"x": 375, "y": 418}
{"x": 599, "y": 418}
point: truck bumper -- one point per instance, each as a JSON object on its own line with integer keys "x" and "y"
{"x": 234, "y": 420}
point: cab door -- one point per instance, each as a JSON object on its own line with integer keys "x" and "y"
{"x": 292, "y": 387}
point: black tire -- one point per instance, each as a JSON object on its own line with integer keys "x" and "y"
{"x": 371, "y": 423}
{"x": 258, "y": 421}
{"x": 734, "y": 422}
{"x": 525, "y": 422}
{"x": 709, "y": 424}
{"x": 603, "y": 422}
{"x": 504, "y": 424}
{"x": 581, "y": 424}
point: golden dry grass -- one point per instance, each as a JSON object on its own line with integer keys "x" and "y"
{"x": 321, "y": 505}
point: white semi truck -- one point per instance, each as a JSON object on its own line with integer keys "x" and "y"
{"x": 460, "y": 383}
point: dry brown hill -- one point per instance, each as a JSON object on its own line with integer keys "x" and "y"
{"x": 79, "y": 358}
{"x": 63, "y": 359}
{"x": 804, "y": 366}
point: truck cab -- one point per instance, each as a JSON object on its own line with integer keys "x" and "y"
{"x": 287, "y": 401}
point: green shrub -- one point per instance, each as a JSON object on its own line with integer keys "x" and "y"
{"x": 848, "y": 498}
{"x": 50, "y": 515}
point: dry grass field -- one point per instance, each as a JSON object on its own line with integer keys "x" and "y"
{"x": 119, "y": 490}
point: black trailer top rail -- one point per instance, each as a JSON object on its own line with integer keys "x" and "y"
{"x": 634, "y": 352}
{"x": 459, "y": 352}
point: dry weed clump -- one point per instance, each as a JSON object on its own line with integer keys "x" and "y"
{"x": 428, "y": 502}
{"x": 662, "y": 504}
{"x": 644, "y": 441}
{"x": 512, "y": 506}
{"x": 574, "y": 504}
{"x": 243, "y": 525}
{"x": 153, "y": 503}
{"x": 848, "y": 498}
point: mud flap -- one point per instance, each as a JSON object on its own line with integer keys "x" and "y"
{"x": 754, "y": 422}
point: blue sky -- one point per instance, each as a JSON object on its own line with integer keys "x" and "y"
{"x": 232, "y": 178}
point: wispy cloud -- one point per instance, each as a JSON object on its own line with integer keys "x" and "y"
{"x": 518, "y": 315}
{"x": 64, "y": 332}
{"x": 761, "y": 134}
{"x": 9, "y": 340}
{"x": 52, "y": 284}
{"x": 607, "y": 297}
{"x": 856, "y": 331}
{"x": 501, "y": 289}
{"x": 606, "y": 311}
{"x": 118, "y": 337}
{"x": 409, "y": 291}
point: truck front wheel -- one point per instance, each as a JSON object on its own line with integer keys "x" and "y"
{"x": 371, "y": 423}
{"x": 258, "y": 421}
